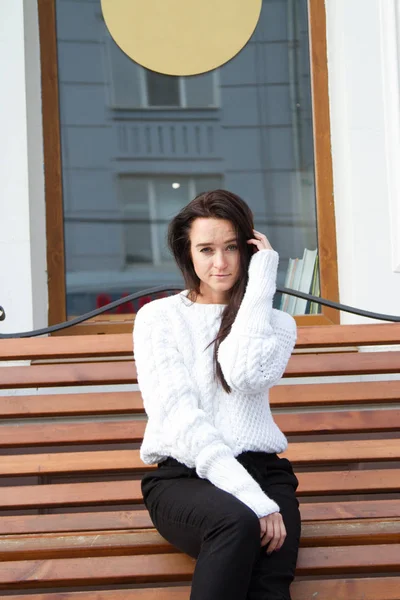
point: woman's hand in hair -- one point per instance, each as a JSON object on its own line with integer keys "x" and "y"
{"x": 273, "y": 532}
{"x": 260, "y": 241}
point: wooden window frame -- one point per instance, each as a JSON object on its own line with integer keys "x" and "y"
{"x": 53, "y": 176}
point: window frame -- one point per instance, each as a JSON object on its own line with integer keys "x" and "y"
{"x": 325, "y": 211}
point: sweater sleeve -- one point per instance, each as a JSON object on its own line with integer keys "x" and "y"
{"x": 254, "y": 355}
{"x": 171, "y": 405}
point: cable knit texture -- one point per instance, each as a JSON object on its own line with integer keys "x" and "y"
{"x": 190, "y": 416}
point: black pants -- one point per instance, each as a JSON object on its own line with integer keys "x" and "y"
{"x": 222, "y": 533}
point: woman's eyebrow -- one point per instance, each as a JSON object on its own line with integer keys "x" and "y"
{"x": 212, "y": 243}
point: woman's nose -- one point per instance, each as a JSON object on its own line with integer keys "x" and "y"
{"x": 220, "y": 261}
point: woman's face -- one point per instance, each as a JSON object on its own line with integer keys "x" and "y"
{"x": 215, "y": 257}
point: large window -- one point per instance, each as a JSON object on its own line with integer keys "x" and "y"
{"x": 135, "y": 146}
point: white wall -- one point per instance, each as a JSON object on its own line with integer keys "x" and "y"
{"x": 363, "y": 70}
{"x": 23, "y": 287}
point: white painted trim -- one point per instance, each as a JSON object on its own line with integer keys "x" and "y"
{"x": 390, "y": 57}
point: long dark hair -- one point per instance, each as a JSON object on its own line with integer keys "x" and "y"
{"x": 217, "y": 204}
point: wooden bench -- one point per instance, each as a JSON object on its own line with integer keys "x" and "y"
{"x": 72, "y": 522}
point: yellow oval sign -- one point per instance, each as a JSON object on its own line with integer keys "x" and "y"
{"x": 181, "y": 37}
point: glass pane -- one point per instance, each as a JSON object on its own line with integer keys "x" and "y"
{"x": 124, "y": 78}
{"x": 200, "y": 91}
{"x": 162, "y": 90}
{"x": 171, "y": 194}
{"x": 246, "y": 127}
{"x": 134, "y": 194}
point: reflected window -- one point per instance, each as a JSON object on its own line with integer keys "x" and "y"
{"x": 149, "y": 204}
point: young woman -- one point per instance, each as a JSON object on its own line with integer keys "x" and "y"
{"x": 206, "y": 359}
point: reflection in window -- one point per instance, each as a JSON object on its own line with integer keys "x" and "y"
{"x": 129, "y": 134}
{"x": 149, "y": 204}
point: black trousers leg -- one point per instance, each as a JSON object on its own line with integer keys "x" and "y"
{"x": 208, "y": 524}
{"x": 222, "y": 533}
{"x": 273, "y": 574}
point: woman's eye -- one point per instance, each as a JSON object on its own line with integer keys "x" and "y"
{"x": 204, "y": 250}
{"x": 232, "y": 247}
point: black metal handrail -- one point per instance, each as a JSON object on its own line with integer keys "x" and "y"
{"x": 165, "y": 288}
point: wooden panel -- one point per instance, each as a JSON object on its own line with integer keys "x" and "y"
{"x": 140, "y": 519}
{"x": 379, "y": 588}
{"x": 129, "y": 460}
{"x": 340, "y": 364}
{"x": 52, "y": 434}
{"x": 328, "y": 394}
{"x": 125, "y": 372}
{"x": 174, "y": 567}
{"x": 366, "y": 531}
{"x": 111, "y": 543}
{"x": 282, "y": 396}
{"x": 337, "y": 422}
{"x": 117, "y": 345}
{"x": 52, "y": 161}
{"x": 71, "y": 494}
{"x": 324, "y": 194}
{"x": 66, "y": 347}
{"x": 62, "y": 405}
{"x": 129, "y": 492}
{"x": 99, "y": 570}
{"x": 349, "y": 559}
{"x": 348, "y": 335}
{"x": 363, "y": 509}
{"x": 81, "y": 544}
{"x": 347, "y": 451}
{"x": 107, "y": 373}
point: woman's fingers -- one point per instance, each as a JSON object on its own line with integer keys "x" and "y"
{"x": 260, "y": 241}
{"x": 275, "y": 532}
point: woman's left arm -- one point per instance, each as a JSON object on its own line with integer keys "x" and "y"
{"x": 254, "y": 355}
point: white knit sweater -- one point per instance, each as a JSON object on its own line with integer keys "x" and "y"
{"x": 190, "y": 416}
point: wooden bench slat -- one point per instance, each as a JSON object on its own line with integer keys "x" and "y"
{"x": 310, "y": 395}
{"x": 81, "y": 346}
{"x": 365, "y": 588}
{"x": 353, "y": 509}
{"x": 282, "y": 396}
{"x": 162, "y": 593}
{"x": 129, "y": 460}
{"x": 53, "y": 434}
{"x": 364, "y": 363}
{"x": 71, "y": 494}
{"x": 346, "y": 451}
{"x": 349, "y": 559}
{"x": 326, "y": 336}
{"x": 78, "y": 346}
{"x": 383, "y": 558}
{"x": 105, "y": 373}
{"x": 129, "y": 492}
{"x": 67, "y": 405}
{"x": 354, "y": 532}
{"x": 116, "y": 543}
{"x": 363, "y": 421}
{"x": 140, "y": 519}
{"x": 378, "y": 588}
{"x": 118, "y": 372}
{"x": 95, "y": 570}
